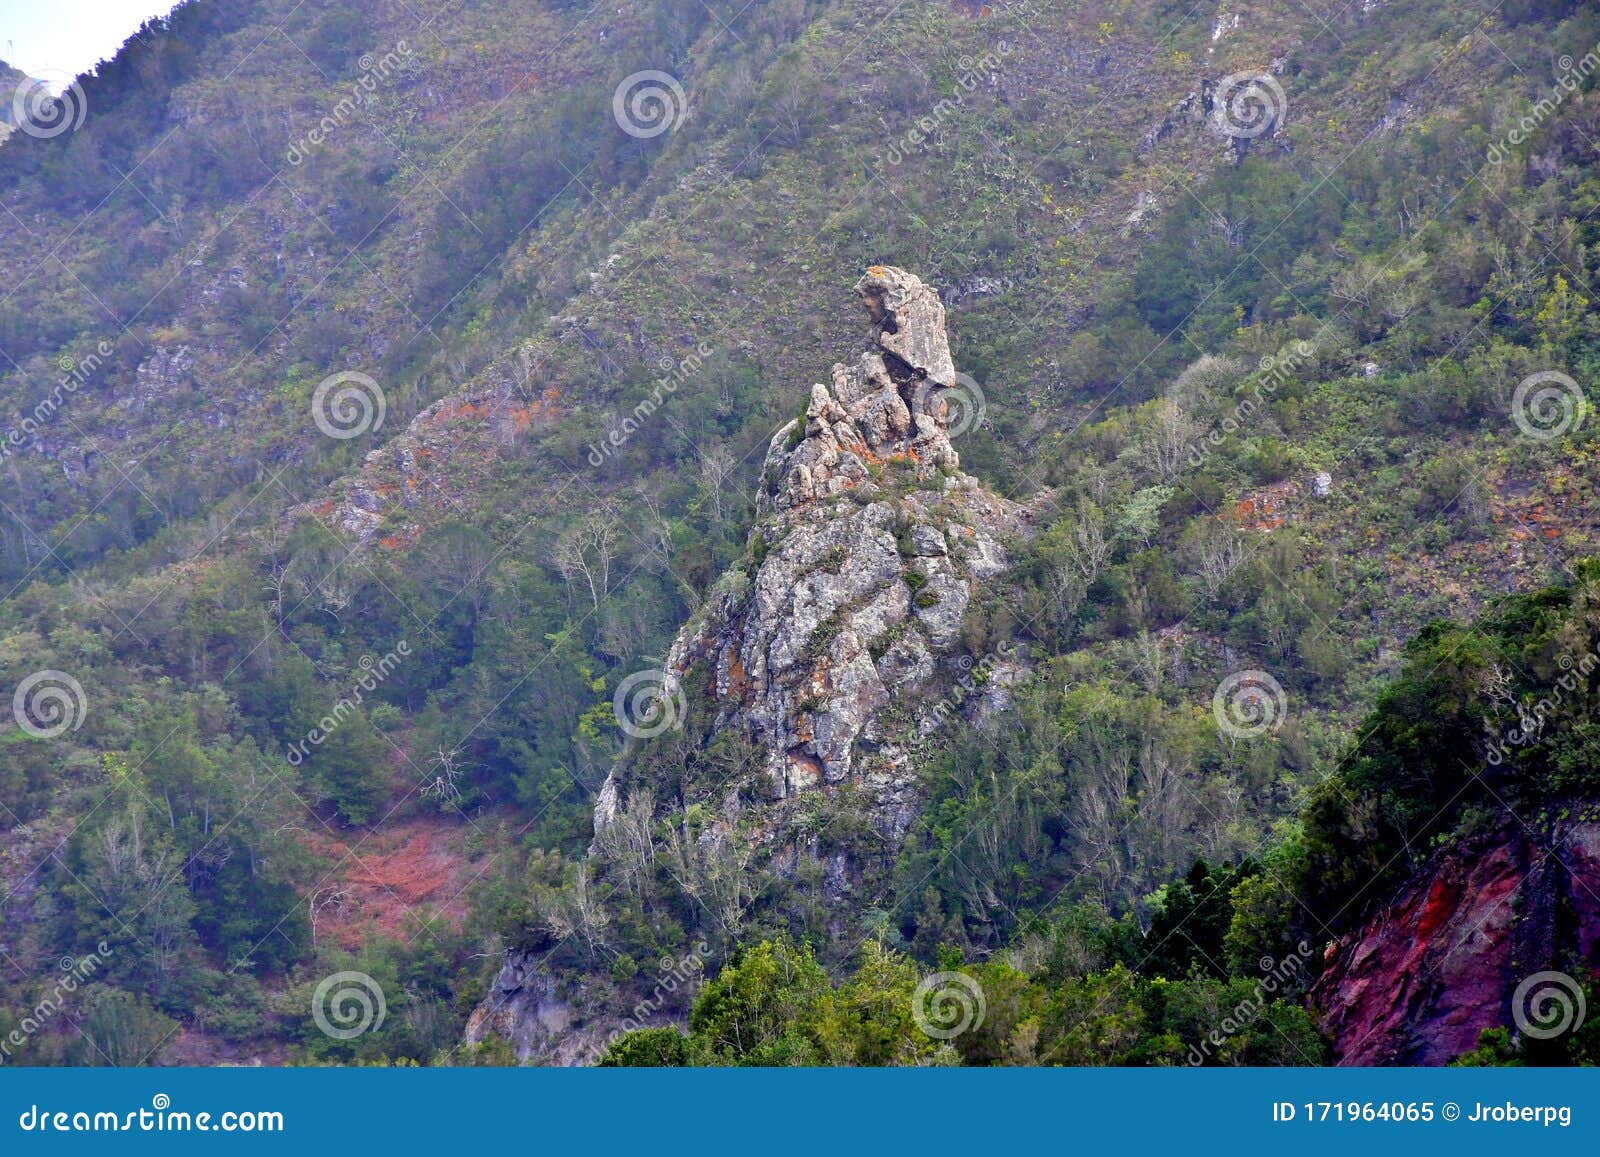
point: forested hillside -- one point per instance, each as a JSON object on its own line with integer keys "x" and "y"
{"x": 405, "y": 416}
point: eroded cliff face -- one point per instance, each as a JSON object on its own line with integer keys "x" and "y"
{"x": 1424, "y": 975}
{"x": 869, "y": 543}
{"x": 868, "y": 546}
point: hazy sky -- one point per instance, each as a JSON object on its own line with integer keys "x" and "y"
{"x": 70, "y": 36}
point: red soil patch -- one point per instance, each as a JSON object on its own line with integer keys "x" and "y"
{"x": 392, "y": 881}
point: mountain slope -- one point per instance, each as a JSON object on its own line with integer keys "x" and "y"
{"x": 395, "y": 371}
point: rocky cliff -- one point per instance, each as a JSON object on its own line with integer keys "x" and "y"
{"x": 1420, "y": 979}
{"x": 869, "y": 543}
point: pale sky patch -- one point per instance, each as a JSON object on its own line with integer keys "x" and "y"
{"x": 58, "y": 39}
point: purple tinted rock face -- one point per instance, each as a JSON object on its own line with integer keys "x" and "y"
{"x": 1426, "y": 973}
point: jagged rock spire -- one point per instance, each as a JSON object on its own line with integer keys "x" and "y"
{"x": 888, "y": 404}
{"x": 860, "y": 586}
{"x": 910, "y": 318}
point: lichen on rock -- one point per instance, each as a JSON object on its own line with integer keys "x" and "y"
{"x": 868, "y": 545}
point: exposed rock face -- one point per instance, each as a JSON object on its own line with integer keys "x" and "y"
{"x": 407, "y": 472}
{"x": 870, "y": 543}
{"x": 888, "y": 406}
{"x": 526, "y": 1009}
{"x": 1423, "y": 976}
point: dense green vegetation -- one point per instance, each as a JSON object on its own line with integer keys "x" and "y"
{"x": 1484, "y": 719}
{"x": 1093, "y": 997}
{"x": 459, "y": 233}
{"x": 1485, "y": 723}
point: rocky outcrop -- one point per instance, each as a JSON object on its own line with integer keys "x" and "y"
{"x": 1421, "y": 978}
{"x": 409, "y": 471}
{"x": 868, "y": 546}
{"x": 836, "y": 646}
{"x": 526, "y": 1009}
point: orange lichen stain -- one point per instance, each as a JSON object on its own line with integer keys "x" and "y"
{"x": 522, "y": 416}
{"x": 738, "y": 677}
{"x": 876, "y": 270}
{"x": 1257, "y": 515}
{"x": 809, "y": 765}
{"x": 404, "y": 538}
{"x": 1265, "y": 509}
{"x": 452, "y": 409}
{"x": 860, "y": 451}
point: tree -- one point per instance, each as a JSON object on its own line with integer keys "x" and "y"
{"x": 588, "y": 551}
{"x": 121, "y": 1029}
{"x": 654, "y": 1048}
{"x": 714, "y": 868}
{"x": 351, "y": 767}
{"x": 131, "y": 892}
{"x": 1164, "y": 450}
{"x": 759, "y": 1008}
{"x": 718, "y": 471}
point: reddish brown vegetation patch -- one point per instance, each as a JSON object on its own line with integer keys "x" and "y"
{"x": 393, "y": 881}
